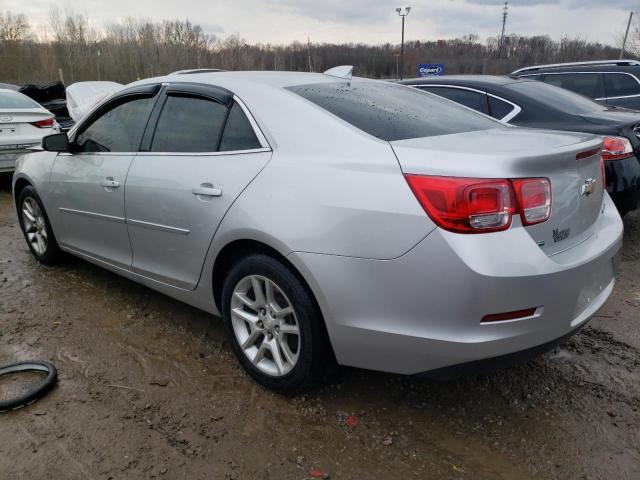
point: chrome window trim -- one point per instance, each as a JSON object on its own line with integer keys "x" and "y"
{"x": 203, "y": 154}
{"x": 506, "y": 119}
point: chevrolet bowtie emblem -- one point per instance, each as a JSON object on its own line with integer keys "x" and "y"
{"x": 588, "y": 187}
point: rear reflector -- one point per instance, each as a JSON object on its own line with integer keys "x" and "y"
{"x": 480, "y": 205}
{"x": 501, "y": 317}
{"x": 616, "y": 148}
{"x": 46, "y": 123}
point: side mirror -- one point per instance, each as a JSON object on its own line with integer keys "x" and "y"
{"x": 58, "y": 142}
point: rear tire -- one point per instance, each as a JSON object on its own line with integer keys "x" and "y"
{"x": 36, "y": 228}
{"x": 274, "y": 326}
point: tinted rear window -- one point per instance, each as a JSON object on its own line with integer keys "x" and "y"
{"x": 393, "y": 112}
{"x": 555, "y": 97}
{"x": 16, "y": 100}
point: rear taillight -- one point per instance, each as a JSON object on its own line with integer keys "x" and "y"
{"x": 534, "y": 199}
{"x": 477, "y": 205}
{"x": 616, "y": 148}
{"x": 46, "y": 123}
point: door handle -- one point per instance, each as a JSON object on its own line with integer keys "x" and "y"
{"x": 109, "y": 182}
{"x": 207, "y": 190}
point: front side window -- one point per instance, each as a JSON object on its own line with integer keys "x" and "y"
{"x": 620, "y": 85}
{"x": 393, "y": 112}
{"x": 587, "y": 84}
{"x": 118, "y": 130}
{"x": 474, "y": 100}
{"x": 189, "y": 124}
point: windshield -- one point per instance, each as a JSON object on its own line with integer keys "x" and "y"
{"x": 556, "y": 97}
{"x": 393, "y": 112}
{"x": 16, "y": 100}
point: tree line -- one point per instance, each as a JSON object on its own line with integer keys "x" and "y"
{"x": 75, "y": 49}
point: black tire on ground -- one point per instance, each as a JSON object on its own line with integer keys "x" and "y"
{"x": 52, "y": 254}
{"x": 34, "y": 393}
{"x": 316, "y": 362}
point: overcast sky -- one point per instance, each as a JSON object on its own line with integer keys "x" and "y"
{"x": 371, "y": 21}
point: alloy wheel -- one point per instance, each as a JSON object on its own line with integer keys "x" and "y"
{"x": 265, "y": 325}
{"x": 35, "y": 227}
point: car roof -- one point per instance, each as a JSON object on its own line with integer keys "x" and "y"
{"x": 597, "y": 66}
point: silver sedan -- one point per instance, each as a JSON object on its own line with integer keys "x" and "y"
{"x": 332, "y": 220}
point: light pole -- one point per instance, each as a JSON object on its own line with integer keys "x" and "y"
{"x": 403, "y": 12}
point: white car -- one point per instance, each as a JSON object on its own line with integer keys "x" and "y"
{"x": 23, "y": 123}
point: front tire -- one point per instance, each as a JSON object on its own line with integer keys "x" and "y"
{"x": 274, "y": 325}
{"x": 36, "y": 228}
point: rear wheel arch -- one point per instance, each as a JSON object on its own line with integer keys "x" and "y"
{"x": 234, "y": 251}
{"x": 237, "y": 249}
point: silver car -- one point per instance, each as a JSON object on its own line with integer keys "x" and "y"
{"x": 331, "y": 219}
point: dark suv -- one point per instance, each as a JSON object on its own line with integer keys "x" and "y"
{"x": 615, "y": 82}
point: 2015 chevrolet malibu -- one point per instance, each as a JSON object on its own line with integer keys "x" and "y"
{"x": 330, "y": 218}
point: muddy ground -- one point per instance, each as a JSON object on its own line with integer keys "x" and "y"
{"x": 149, "y": 388}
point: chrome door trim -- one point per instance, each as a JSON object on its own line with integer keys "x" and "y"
{"x": 100, "y": 216}
{"x": 202, "y": 154}
{"x": 158, "y": 226}
{"x": 506, "y": 119}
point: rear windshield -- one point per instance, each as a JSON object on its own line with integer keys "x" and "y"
{"x": 393, "y": 112}
{"x": 16, "y": 100}
{"x": 556, "y": 97}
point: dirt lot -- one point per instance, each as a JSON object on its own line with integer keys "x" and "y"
{"x": 148, "y": 388}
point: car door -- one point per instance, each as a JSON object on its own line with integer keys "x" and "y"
{"x": 204, "y": 150}
{"x": 87, "y": 184}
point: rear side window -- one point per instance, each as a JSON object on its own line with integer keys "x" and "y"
{"x": 189, "y": 124}
{"x": 393, "y": 112}
{"x": 16, "y": 100}
{"x": 499, "y": 108}
{"x": 476, "y": 101}
{"x": 587, "y": 84}
{"x": 118, "y": 130}
{"x": 238, "y": 132}
{"x": 620, "y": 85}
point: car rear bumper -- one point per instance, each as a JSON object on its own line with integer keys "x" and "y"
{"x": 423, "y": 311}
{"x": 8, "y": 159}
{"x": 623, "y": 183}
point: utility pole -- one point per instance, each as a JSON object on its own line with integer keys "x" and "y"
{"x": 309, "y": 49}
{"x": 505, "y": 14}
{"x": 403, "y": 12}
{"x": 626, "y": 34}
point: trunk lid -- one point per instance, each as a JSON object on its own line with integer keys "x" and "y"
{"x": 576, "y": 184}
{"x": 16, "y": 128}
